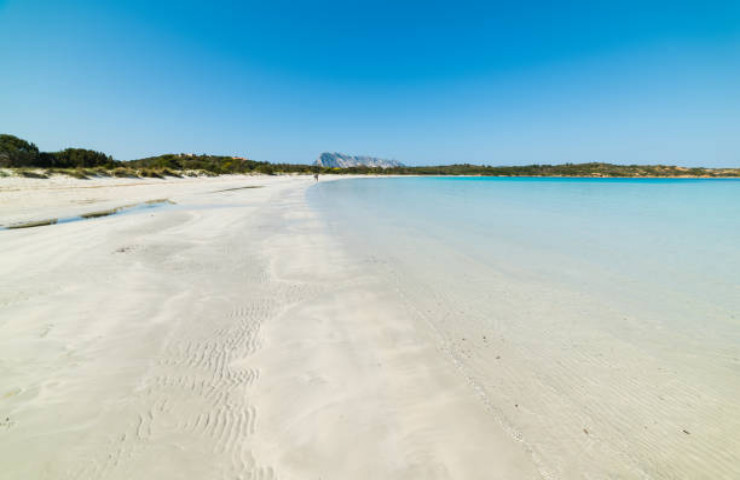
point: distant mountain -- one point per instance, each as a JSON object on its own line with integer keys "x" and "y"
{"x": 340, "y": 160}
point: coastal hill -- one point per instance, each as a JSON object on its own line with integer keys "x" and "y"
{"x": 340, "y": 160}
{"x": 21, "y": 157}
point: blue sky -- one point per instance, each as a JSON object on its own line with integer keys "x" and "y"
{"x": 422, "y": 82}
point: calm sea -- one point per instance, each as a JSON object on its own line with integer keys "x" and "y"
{"x": 601, "y": 317}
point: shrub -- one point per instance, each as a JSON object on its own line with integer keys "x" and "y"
{"x": 32, "y": 174}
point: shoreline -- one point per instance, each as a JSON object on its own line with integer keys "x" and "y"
{"x": 15, "y": 190}
{"x": 35, "y": 173}
{"x": 581, "y": 342}
{"x": 231, "y": 336}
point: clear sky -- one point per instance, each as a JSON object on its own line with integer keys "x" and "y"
{"x": 424, "y": 82}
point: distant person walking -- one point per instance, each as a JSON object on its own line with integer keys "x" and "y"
{"x": 316, "y": 177}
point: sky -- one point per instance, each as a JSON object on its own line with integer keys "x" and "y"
{"x": 423, "y": 82}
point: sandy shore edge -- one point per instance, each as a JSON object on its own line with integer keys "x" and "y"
{"x": 229, "y": 337}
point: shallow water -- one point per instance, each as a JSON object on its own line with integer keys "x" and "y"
{"x": 124, "y": 210}
{"x": 137, "y": 208}
{"x": 599, "y": 318}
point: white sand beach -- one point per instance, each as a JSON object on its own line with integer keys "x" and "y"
{"x": 227, "y": 336}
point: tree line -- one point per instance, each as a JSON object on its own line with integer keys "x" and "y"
{"x": 18, "y": 153}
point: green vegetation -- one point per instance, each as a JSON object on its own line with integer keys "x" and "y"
{"x": 26, "y": 160}
{"x": 18, "y": 153}
{"x": 569, "y": 170}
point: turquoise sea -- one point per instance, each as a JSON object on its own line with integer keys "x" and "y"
{"x": 600, "y": 318}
